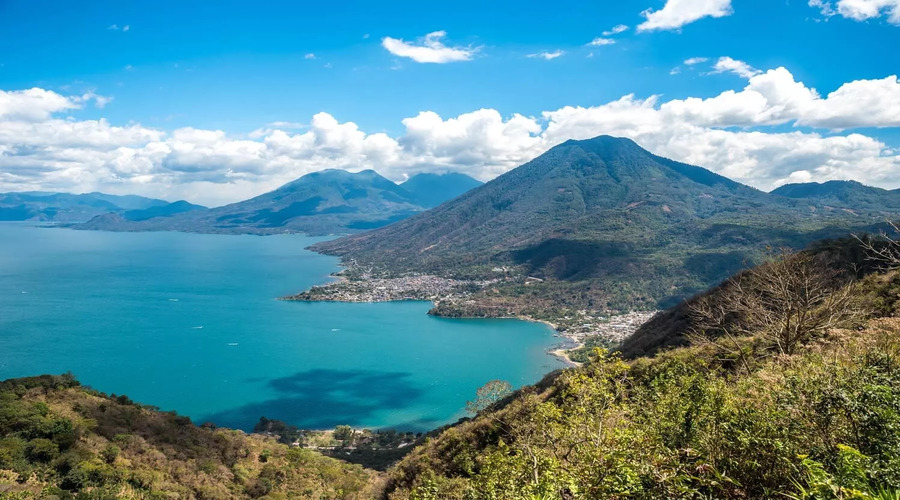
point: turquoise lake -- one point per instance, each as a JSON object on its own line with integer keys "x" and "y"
{"x": 190, "y": 323}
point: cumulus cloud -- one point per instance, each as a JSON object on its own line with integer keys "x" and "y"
{"x": 695, "y": 60}
{"x": 729, "y": 65}
{"x": 677, "y": 13}
{"x": 547, "y": 55}
{"x": 429, "y": 50}
{"x": 860, "y": 10}
{"x": 38, "y": 104}
{"x": 733, "y": 133}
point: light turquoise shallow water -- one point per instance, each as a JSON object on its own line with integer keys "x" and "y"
{"x": 190, "y": 323}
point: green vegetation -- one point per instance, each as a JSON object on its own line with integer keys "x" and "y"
{"x": 852, "y": 195}
{"x": 488, "y": 395}
{"x": 583, "y": 354}
{"x": 794, "y": 394}
{"x": 61, "y": 440}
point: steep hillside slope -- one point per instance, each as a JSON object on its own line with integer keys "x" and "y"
{"x": 724, "y": 417}
{"x": 58, "y": 439}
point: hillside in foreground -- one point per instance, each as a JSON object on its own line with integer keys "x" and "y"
{"x": 789, "y": 387}
{"x": 61, "y": 440}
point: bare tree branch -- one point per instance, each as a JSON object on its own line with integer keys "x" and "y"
{"x": 784, "y": 302}
{"x": 884, "y": 248}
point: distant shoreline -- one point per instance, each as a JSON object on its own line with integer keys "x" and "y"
{"x": 441, "y": 291}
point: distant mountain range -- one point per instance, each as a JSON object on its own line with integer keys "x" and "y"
{"x": 430, "y": 190}
{"x": 606, "y": 225}
{"x": 324, "y": 202}
{"x": 845, "y": 194}
{"x": 64, "y": 207}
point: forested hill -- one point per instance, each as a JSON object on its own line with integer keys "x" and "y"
{"x": 607, "y": 225}
{"x": 845, "y": 194}
{"x": 788, "y": 388}
{"x": 61, "y": 440}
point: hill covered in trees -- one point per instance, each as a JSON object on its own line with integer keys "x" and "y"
{"x": 788, "y": 387}
{"x": 845, "y": 194}
{"x": 604, "y": 224}
{"x": 61, "y": 440}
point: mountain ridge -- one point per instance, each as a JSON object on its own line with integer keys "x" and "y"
{"x": 67, "y": 207}
{"x": 844, "y": 193}
{"x": 330, "y": 201}
{"x": 606, "y": 224}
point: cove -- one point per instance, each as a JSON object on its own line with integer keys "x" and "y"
{"x": 190, "y": 323}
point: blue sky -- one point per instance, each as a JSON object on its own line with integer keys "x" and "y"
{"x": 244, "y": 69}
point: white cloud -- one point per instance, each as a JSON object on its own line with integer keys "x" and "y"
{"x": 620, "y": 28}
{"x": 695, "y": 60}
{"x": 731, "y": 133}
{"x": 126, "y": 27}
{"x": 677, "y": 13}
{"x": 601, "y": 41}
{"x": 113, "y": 27}
{"x": 33, "y": 104}
{"x": 823, "y": 5}
{"x": 309, "y": 56}
{"x": 429, "y": 50}
{"x": 547, "y": 55}
{"x": 860, "y": 10}
{"x": 729, "y": 65}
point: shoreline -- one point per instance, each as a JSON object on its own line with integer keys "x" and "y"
{"x": 576, "y": 328}
{"x": 459, "y": 298}
{"x": 560, "y": 351}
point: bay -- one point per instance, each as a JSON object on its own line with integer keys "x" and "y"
{"x": 190, "y": 322}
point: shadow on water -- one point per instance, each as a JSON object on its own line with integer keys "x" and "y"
{"x": 321, "y": 399}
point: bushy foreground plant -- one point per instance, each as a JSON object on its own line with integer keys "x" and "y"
{"x": 821, "y": 423}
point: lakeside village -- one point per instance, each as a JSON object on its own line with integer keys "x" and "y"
{"x": 575, "y": 327}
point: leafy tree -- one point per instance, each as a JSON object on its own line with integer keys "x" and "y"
{"x": 344, "y": 434}
{"x": 488, "y": 394}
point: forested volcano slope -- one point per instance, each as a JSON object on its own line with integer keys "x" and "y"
{"x": 606, "y": 223}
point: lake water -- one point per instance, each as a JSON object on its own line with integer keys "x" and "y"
{"x": 190, "y": 323}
